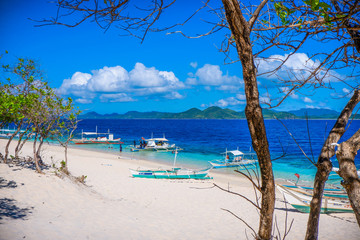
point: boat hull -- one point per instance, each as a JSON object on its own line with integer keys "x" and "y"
{"x": 224, "y": 164}
{"x": 328, "y": 192}
{"x": 80, "y": 142}
{"x": 301, "y": 202}
{"x": 159, "y": 149}
{"x": 175, "y": 173}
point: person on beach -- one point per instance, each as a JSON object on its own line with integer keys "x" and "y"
{"x": 134, "y": 144}
{"x": 120, "y": 148}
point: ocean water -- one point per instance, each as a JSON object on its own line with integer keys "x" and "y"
{"x": 205, "y": 140}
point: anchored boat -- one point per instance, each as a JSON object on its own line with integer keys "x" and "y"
{"x": 235, "y": 158}
{"x": 154, "y": 144}
{"x": 97, "y": 138}
{"x": 328, "y": 192}
{"x": 173, "y": 173}
{"x": 301, "y": 201}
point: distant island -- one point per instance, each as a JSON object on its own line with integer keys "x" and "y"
{"x": 218, "y": 113}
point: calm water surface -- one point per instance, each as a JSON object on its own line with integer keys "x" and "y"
{"x": 204, "y": 140}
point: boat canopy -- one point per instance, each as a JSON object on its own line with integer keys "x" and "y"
{"x": 90, "y": 133}
{"x": 157, "y": 139}
{"x": 234, "y": 152}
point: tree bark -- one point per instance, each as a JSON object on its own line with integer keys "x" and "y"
{"x": 36, "y": 160}
{"x": 10, "y": 139}
{"x": 324, "y": 166}
{"x": 240, "y": 29}
{"x": 21, "y": 142}
{"x": 38, "y": 169}
{"x": 345, "y": 155}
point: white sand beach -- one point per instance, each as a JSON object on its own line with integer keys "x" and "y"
{"x": 114, "y": 205}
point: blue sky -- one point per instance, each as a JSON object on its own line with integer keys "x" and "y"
{"x": 106, "y": 72}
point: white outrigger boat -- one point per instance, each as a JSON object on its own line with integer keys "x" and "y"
{"x": 97, "y": 138}
{"x": 235, "y": 158}
{"x": 301, "y": 201}
{"x": 173, "y": 173}
{"x": 328, "y": 192}
{"x": 155, "y": 144}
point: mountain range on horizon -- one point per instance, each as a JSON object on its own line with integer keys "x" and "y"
{"x": 219, "y": 113}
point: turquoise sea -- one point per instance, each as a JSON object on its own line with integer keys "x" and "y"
{"x": 205, "y": 140}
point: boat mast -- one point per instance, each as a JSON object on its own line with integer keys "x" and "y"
{"x": 226, "y": 156}
{"x": 175, "y": 157}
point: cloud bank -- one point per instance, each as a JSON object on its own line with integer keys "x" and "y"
{"x": 116, "y": 84}
{"x": 296, "y": 68}
{"x": 211, "y": 76}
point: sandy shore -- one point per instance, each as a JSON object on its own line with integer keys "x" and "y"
{"x": 113, "y": 205}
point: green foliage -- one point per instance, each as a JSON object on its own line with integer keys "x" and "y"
{"x": 27, "y": 98}
{"x": 317, "y": 7}
{"x": 283, "y": 12}
{"x": 81, "y": 179}
{"x": 62, "y": 164}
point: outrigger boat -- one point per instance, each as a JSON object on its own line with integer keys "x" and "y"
{"x": 173, "y": 173}
{"x": 235, "y": 158}
{"x": 301, "y": 201}
{"x": 328, "y": 192}
{"x": 7, "y": 133}
{"x": 97, "y": 138}
{"x": 155, "y": 144}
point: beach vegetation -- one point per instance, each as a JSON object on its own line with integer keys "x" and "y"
{"x": 254, "y": 32}
{"x": 17, "y": 100}
{"x": 64, "y": 132}
{"x": 28, "y": 102}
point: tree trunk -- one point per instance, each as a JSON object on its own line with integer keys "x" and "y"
{"x": 38, "y": 169}
{"x": 36, "y": 160}
{"x": 8, "y": 143}
{"x": 66, "y": 166}
{"x": 23, "y": 142}
{"x": 345, "y": 155}
{"x": 19, "y": 145}
{"x": 324, "y": 166}
{"x": 240, "y": 29}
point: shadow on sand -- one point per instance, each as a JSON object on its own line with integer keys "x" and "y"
{"x": 8, "y": 206}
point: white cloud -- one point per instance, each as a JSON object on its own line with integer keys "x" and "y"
{"x": 117, "y": 97}
{"x": 108, "y": 79}
{"x": 116, "y": 84}
{"x": 241, "y": 96}
{"x": 298, "y": 65}
{"x": 345, "y": 90}
{"x": 83, "y": 100}
{"x": 174, "y": 95}
{"x": 76, "y": 85}
{"x": 230, "y": 101}
{"x": 211, "y": 75}
{"x": 310, "y": 106}
{"x": 307, "y": 100}
{"x": 286, "y": 90}
{"x": 194, "y": 64}
{"x": 230, "y": 88}
{"x": 265, "y": 100}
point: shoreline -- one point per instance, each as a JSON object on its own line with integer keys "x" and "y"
{"x": 114, "y": 205}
